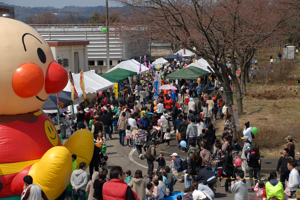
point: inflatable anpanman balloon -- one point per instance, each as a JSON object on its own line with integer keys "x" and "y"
{"x": 29, "y": 144}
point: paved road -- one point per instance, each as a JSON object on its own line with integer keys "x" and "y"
{"x": 127, "y": 158}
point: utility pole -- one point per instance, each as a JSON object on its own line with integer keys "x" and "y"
{"x": 107, "y": 38}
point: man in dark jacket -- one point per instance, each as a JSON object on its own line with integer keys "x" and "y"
{"x": 80, "y": 118}
{"x": 282, "y": 163}
{"x": 106, "y": 120}
{"x": 95, "y": 162}
{"x": 174, "y": 111}
{"x": 206, "y": 176}
{"x": 98, "y": 126}
{"x": 151, "y": 156}
{"x": 228, "y": 166}
{"x": 183, "y": 127}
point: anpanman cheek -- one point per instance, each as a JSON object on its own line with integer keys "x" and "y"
{"x": 56, "y": 78}
{"x": 28, "y": 80}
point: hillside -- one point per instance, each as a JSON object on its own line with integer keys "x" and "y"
{"x": 22, "y": 13}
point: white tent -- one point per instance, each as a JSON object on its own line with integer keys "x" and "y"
{"x": 159, "y": 62}
{"x": 185, "y": 53}
{"x": 93, "y": 83}
{"x": 202, "y": 64}
{"x": 130, "y": 65}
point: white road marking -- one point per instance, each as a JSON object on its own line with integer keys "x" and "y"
{"x": 131, "y": 158}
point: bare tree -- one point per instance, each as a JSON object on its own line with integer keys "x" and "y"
{"x": 214, "y": 30}
{"x": 43, "y": 18}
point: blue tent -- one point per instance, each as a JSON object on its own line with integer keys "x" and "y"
{"x": 171, "y": 57}
{"x": 51, "y": 103}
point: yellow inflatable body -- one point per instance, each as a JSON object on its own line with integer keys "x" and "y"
{"x": 29, "y": 143}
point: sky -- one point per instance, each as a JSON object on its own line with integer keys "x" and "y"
{"x": 60, "y": 3}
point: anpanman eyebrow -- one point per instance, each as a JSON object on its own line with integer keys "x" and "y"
{"x": 32, "y": 36}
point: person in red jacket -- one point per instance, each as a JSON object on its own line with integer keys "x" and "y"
{"x": 116, "y": 188}
{"x": 168, "y": 103}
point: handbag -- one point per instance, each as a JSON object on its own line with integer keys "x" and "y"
{"x": 103, "y": 148}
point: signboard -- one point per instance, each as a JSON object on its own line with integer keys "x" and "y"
{"x": 116, "y": 90}
{"x": 236, "y": 117}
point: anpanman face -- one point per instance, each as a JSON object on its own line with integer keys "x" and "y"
{"x": 28, "y": 71}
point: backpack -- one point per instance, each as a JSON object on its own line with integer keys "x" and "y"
{"x": 184, "y": 163}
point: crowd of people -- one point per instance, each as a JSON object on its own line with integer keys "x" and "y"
{"x": 143, "y": 122}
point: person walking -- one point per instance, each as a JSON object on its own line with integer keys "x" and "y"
{"x": 183, "y": 127}
{"x": 140, "y": 139}
{"x": 97, "y": 126}
{"x": 79, "y": 180}
{"x": 207, "y": 115}
{"x": 98, "y": 185}
{"x": 245, "y": 152}
{"x": 274, "y": 188}
{"x": 210, "y": 136}
{"x": 151, "y": 156}
{"x": 138, "y": 185}
{"x": 228, "y": 166}
{"x": 106, "y": 120}
{"x": 240, "y": 187}
{"x": 254, "y": 166}
{"x": 116, "y": 188}
{"x": 191, "y": 132}
{"x": 122, "y": 125}
{"x": 294, "y": 178}
{"x": 247, "y": 131}
{"x": 282, "y": 163}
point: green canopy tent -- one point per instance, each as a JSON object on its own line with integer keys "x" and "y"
{"x": 118, "y": 75}
{"x": 188, "y": 73}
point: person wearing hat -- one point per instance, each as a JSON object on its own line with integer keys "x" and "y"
{"x": 246, "y": 150}
{"x": 178, "y": 166}
{"x": 87, "y": 116}
{"x": 291, "y": 146}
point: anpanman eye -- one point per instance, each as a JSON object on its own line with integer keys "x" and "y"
{"x": 41, "y": 55}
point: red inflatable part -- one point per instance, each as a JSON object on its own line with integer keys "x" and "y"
{"x": 56, "y": 78}
{"x": 18, "y": 183}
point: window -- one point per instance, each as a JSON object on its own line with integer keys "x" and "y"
{"x": 110, "y": 62}
{"x": 91, "y": 62}
{"x": 100, "y": 62}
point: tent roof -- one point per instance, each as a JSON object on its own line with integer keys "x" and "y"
{"x": 118, "y": 74}
{"x": 131, "y": 65}
{"x": 92, "y": 83}
{"x": 202, "y": 64}
{"x": 159, "y": 61}
{"x": 186, "y": 53}
{"x": 173, "y": 56}
{"x": 188, "y": 73}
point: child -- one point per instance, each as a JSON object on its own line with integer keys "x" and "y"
{"x": 167, "y": 137}
{"x": 236, "y": 147}
{"x": 115, "y": 122}
{"x": 260, "y": 189}
{"x": 155, "y": 190}
{"x": 128, "y": 136}
{"x": 60, "y": 136}
{"x": 149, "y": 178}
{"x": 128, "y": 177}
{"x": 134, "y": 130}
{"x": 149, "y": 191}
{"x": 165, "y": 179}
{"x": 219, "y": 162}
{"x": 225, "y": 143}
{"x": 91, "y": 122}
{"x": 225, "y": 133}
{"x": 161, "y": 162}
{"x": 179, "y": 198}
{"x": 186, "y": 194}
{"x": 74, "y": 162}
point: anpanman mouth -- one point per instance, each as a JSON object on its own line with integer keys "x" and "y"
{"x": 39, "y": 98}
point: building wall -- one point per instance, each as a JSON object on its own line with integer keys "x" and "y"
{"x": 67, "y": 52}
{"x": 119, "y": 49}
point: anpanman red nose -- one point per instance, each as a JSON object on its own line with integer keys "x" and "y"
{"x": 56, "y": 78}
{"x": 28, "y": 80}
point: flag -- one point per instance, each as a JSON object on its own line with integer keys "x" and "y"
{"x": 82, "y": 84}
{"x": 155, "y": 87}
{"x": 74, "y": 94}
{"x": 59, "y": 104}
{"x": 150, "y": 67}
{"x": 140, "y": 64}
{"x": 145, "y": 61}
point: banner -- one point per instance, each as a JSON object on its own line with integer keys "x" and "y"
{"x": 145, "y": 61}
{"x": 140, "y": 64}
{"x": 236, "y": 117}
{"x": 74, "y": 94}
{"x": 82, "y": 85}
{"x": 59, "y": 104}
{"x": 150, "y": 67}
{"x": 116, "y": 90}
